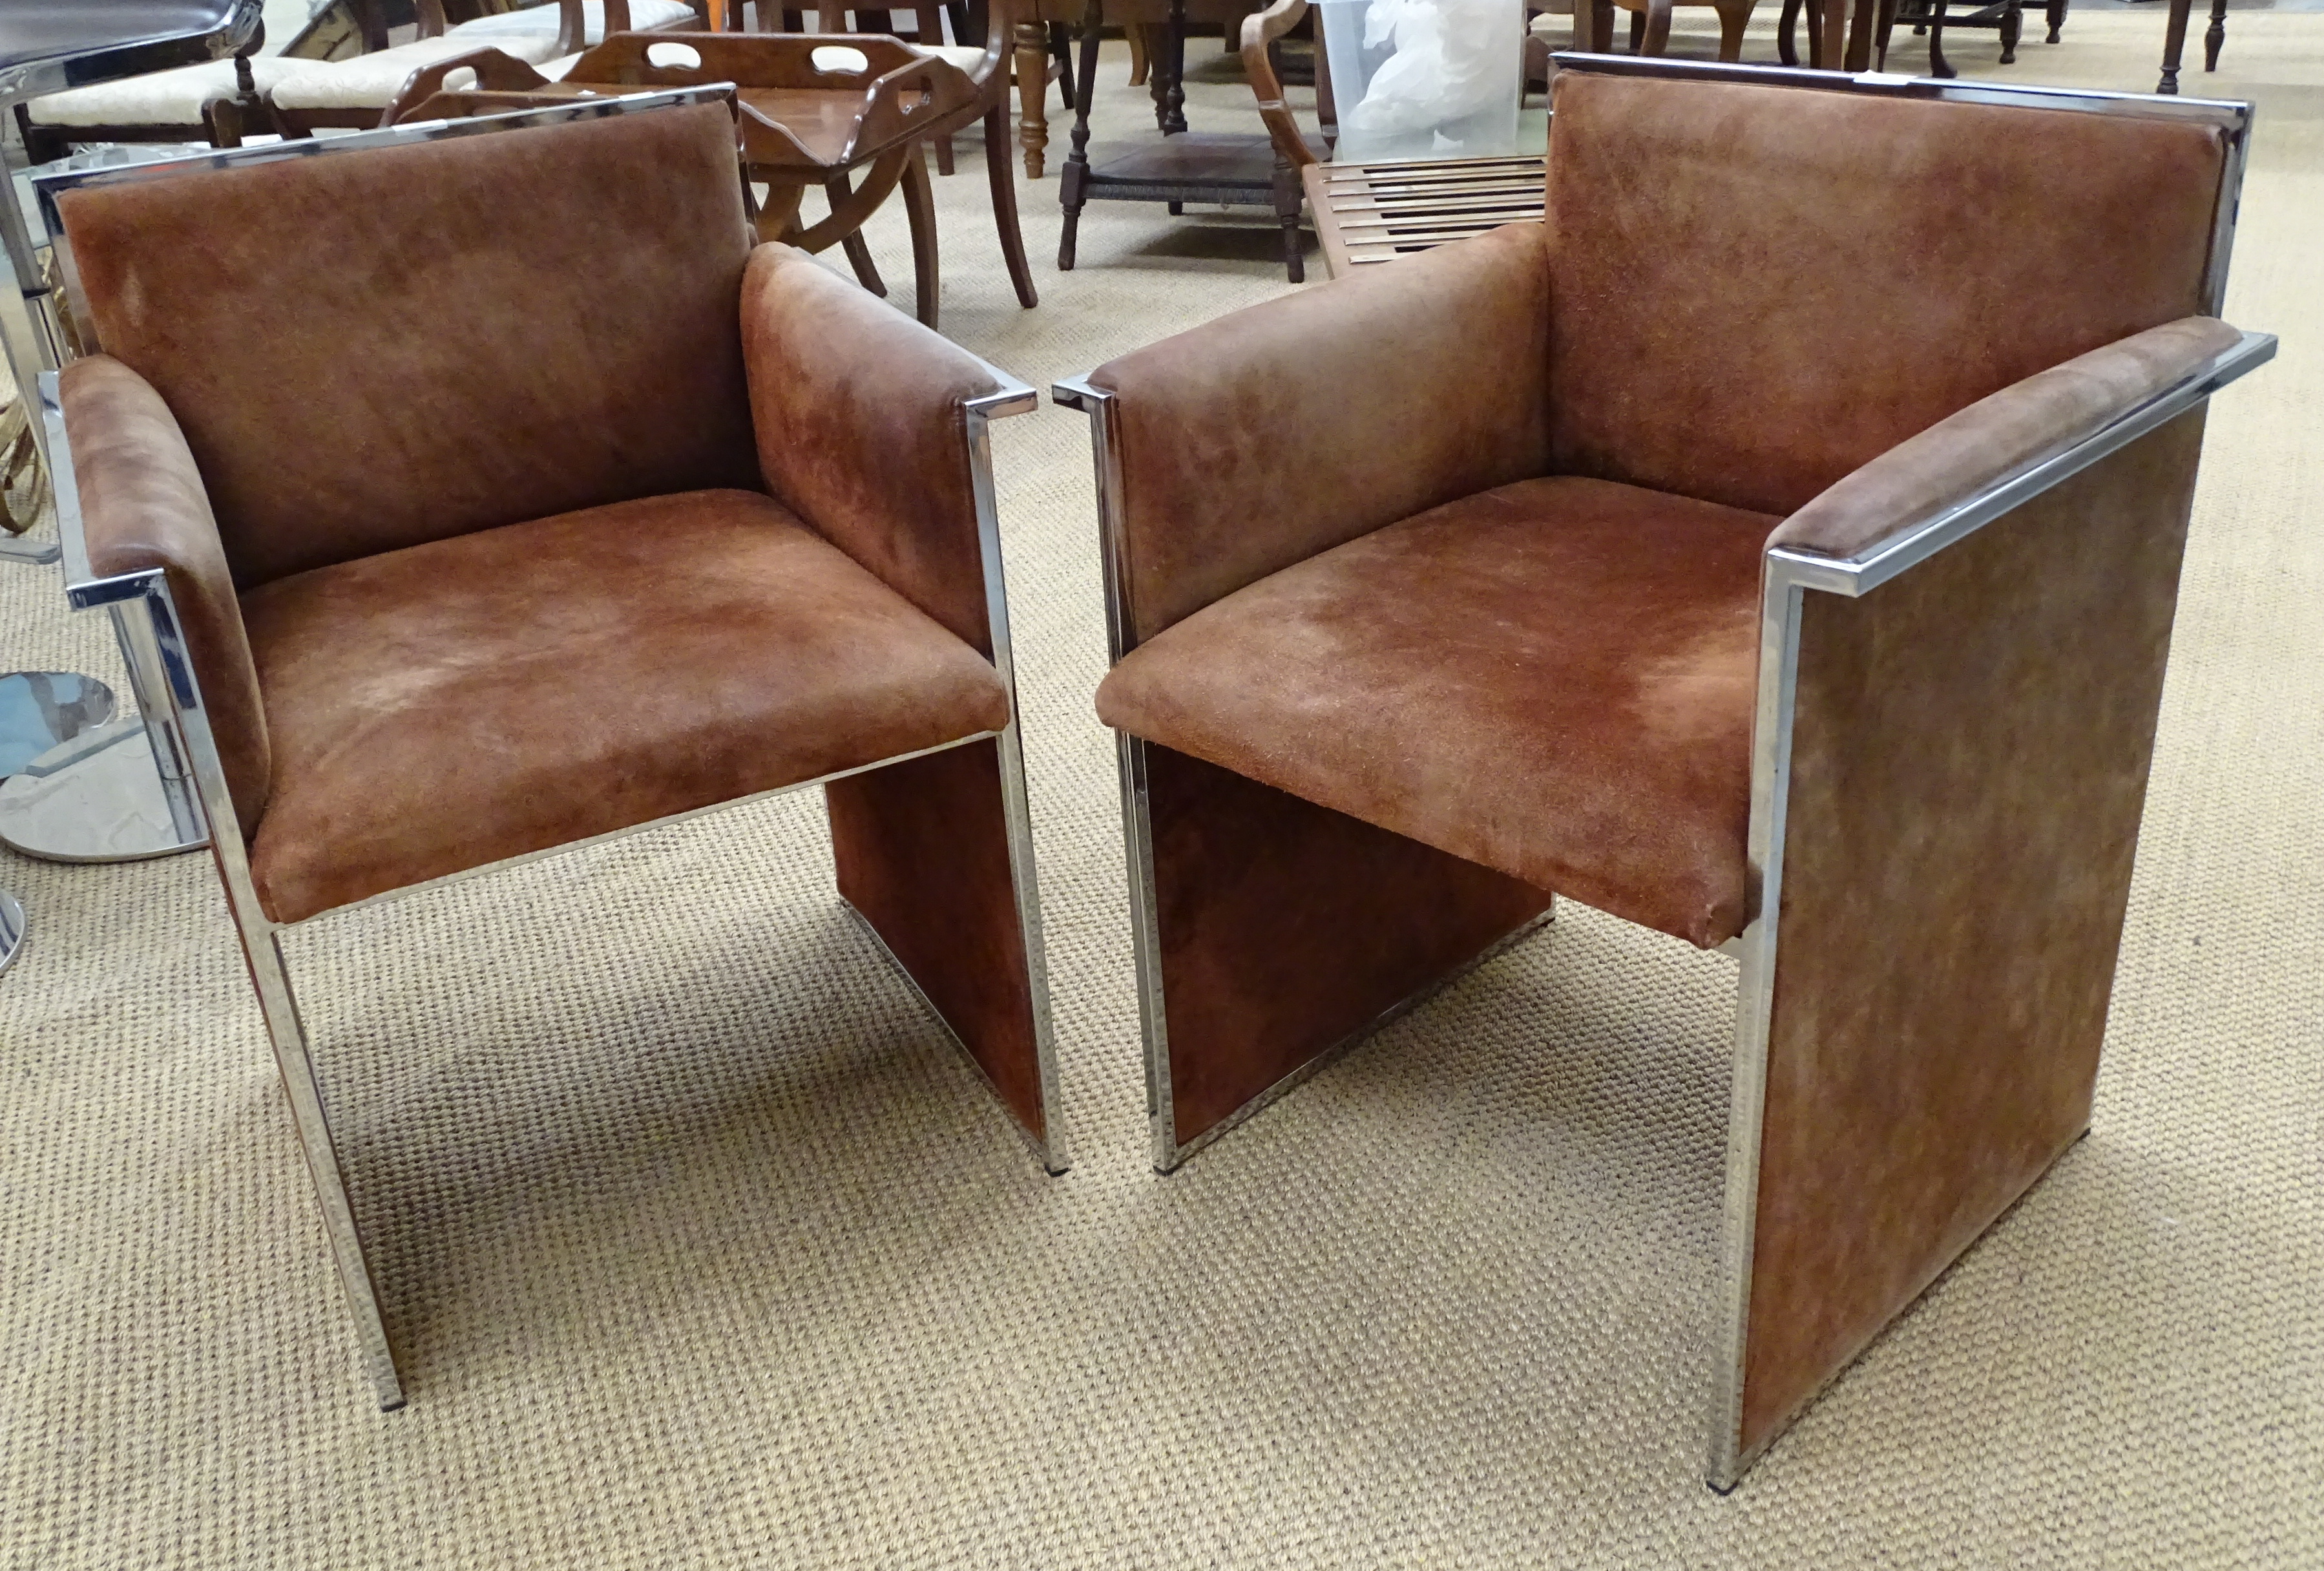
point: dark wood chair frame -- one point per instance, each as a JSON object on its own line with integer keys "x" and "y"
{"x": 1230, "y": 169}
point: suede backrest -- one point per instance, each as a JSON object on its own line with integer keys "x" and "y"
{"x": 1755, "y": 289}
{"x": 374, "y": 349}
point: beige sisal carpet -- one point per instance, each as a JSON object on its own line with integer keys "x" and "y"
{"x": 703, "y": 1249}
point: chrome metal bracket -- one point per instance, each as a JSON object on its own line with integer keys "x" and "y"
{"x": 11, "y": 930}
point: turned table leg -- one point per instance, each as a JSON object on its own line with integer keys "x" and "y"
{"x": 2174, "y": 40}
{"x": 1032, "y": 93}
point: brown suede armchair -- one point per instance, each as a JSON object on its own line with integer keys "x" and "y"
{"x": 1763, "y": 614}
{"x": 470, "y": 491}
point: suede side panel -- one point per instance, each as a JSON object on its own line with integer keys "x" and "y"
{"x": 142, "y": 506}
{"x": 1256, "y": 440}
{"x": 1554, "y": 679}
{"x": 1969, "y": 769}
{"x": 370, "y": 350}
{"x": 922, "y": 850}
{"x": 860, "y": 432}
{"x": 1760, "y": 289}
{"x": 457, "y": 703}
{"x": 1286, "y": 927}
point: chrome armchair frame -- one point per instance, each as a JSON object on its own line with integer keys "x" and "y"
{"x": 1790, "y": 576}
{"x": 153, "y": 641}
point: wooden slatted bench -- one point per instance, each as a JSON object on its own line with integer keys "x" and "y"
{"x": 1377, "y": 212}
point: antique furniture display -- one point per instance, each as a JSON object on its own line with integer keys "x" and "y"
{"x": 90, "y": 59}
{"x": 1840, "y": 37}
{"x": 2175, "y": 41}
{"x": 222, "y": 101}
{"x": 355, "y": 94}
{"x": 988, "y": 67}
{"x": 1368, "y": 213}
{"x": 1650, "y": 24}
{"x": 1931, "y": 17}
{"x": 1376, "y": 211}
{"x": 408, "y": 626}
{"x": 1232, "y": 169}
{"x": 847, "y": 114}
{"x": 927, "y": 35}
{"x": 1826, "y": 635}
{"x": 217, "y": 102}
{"x": 46, "y": 47}
{"x": 1145, "y": 24}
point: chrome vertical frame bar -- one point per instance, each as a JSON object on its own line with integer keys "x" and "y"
{"x": 1015, "y": 397}
{"x": 1771, "y": 769}
{"x": 262, "y": 945}
{"x": 1137, "y": 821}
{"x": 147, "y": 680}
{"x": 147, "y": 614}
{"x": 1146, "y": 944}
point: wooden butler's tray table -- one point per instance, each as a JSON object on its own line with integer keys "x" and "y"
{"x": 801, "y": 125}
{"x": 1379, "y": 211}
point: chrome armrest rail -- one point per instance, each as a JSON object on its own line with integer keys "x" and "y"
{"x": 1916, "y": 539}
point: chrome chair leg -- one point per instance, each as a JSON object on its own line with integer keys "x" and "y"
{"x": 289, "y": 1034}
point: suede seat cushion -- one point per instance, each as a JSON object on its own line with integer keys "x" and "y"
{"x": 1554, "y": 679}
{"x": 469, "y": 699}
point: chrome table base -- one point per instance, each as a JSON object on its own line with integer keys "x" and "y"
{"x": 98, "y": 797}
{"x": 39, "y": 710}
{"x": 12, "y": 929}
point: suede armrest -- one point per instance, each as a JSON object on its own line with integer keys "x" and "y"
{"x": 144, "y": 506}
{"x": 1965, "y": 453}
{"x": 1274, "y": 433}
{"x": 857, "y": 413}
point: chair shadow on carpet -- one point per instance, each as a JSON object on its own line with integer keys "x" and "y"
{"x": 553, "y": 1151}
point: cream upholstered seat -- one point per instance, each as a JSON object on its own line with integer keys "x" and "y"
{"x": 345, "y": 92}
{"x": 371, "y": 81}
{"x": 645, "y": 16}
{"x": 179, "y": 97}
{"x": 967, "y": 57}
